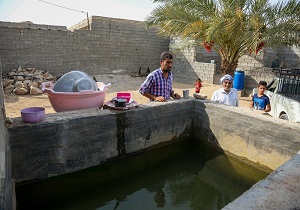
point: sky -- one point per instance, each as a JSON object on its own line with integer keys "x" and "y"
{"x": 40, "y": 12}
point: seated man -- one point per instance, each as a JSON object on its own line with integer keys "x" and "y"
{"x": 158, "y": 84}
{"x": 226, "y": 94}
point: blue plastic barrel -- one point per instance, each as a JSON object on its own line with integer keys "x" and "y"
{"x": 238, "y": 80}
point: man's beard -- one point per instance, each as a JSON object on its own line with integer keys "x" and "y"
{"x": 167, "y": 70}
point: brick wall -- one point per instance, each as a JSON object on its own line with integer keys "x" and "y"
{"x": 118, "y": 45}
{"x": 290, "y": 56}
{"x": 194, "y": 62}
{"x": 111, "y": 44}
{"x": 257, "y": 67}
{"x": 187, "y": 68}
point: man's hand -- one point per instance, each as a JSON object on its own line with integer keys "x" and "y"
{"x": 160, "y": 99}
{"x": 176, "y": 96}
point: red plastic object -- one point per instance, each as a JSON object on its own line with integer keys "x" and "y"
{"x": 67, "y": 101}
{"x": 124, "y": 95}
{"x": 33, "y": 114}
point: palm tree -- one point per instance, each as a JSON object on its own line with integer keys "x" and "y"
{"x": 231, "y": 27}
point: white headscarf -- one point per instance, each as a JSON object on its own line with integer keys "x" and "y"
{"x": 226, "y": 77}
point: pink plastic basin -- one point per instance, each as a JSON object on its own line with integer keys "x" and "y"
{"x": 33, "y": 114}
{"x": 67, "y": 101}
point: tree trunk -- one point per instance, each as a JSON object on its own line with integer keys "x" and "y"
{"x": 228, "y": 67}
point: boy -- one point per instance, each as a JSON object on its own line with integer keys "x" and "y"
{"x": 260, "y": 101}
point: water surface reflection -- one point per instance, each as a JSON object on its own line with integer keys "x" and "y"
{"x": 172, "y": 177}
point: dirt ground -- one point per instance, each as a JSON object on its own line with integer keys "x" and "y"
{"x": 15, "y": 103}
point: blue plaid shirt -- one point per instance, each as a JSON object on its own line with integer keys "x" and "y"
{"x": 157, "y": 84}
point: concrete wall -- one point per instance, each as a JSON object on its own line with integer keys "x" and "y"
{"x": 260, "y": 138}
{"x": 70, "y": 141}
{"x": 111, "y": 44}
{"x": 6, "y": 184}
{"x": 280, "y": 190}
{"x": 60, "y": 144}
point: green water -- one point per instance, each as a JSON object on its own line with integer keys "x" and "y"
{"x": 179, "y": 176}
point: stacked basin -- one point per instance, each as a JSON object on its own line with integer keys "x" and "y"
{"x": 75, "y": 90}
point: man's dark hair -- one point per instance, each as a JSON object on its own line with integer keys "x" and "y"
{"x": 165, "y": 55}
{"x": 263, "y": 83}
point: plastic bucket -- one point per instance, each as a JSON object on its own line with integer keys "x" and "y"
{"x": 238, "y": 80}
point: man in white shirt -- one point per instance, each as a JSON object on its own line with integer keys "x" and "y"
{"x": 226, "y": 94}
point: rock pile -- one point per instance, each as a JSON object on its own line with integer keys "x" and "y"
{"x": 25, "y": 81}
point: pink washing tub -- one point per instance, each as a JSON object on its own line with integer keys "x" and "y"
{"x": 67, "y": 101}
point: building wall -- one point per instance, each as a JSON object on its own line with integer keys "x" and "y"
{"x": 290, "y": 56}
{"x": 187, "y": 68}
{"x": 196, "y": 62}
{"x": 111, "y": 45}
{"x": 257, "y": 67}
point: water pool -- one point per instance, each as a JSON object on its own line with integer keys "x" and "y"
{"x": 177, "y": 176}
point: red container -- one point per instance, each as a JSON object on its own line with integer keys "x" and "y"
{"x": 124, "y": 95}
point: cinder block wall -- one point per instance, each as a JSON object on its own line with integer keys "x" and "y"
{"x": 124, "y": 46}
{"x": 187, "y": 69}
{"x": 290, "y": 56}
{"x": 111, "y": 44}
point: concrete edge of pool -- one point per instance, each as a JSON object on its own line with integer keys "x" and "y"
{"x": 58, "y": 145}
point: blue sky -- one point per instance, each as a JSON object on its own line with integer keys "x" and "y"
{"x": 40, "y": 12}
